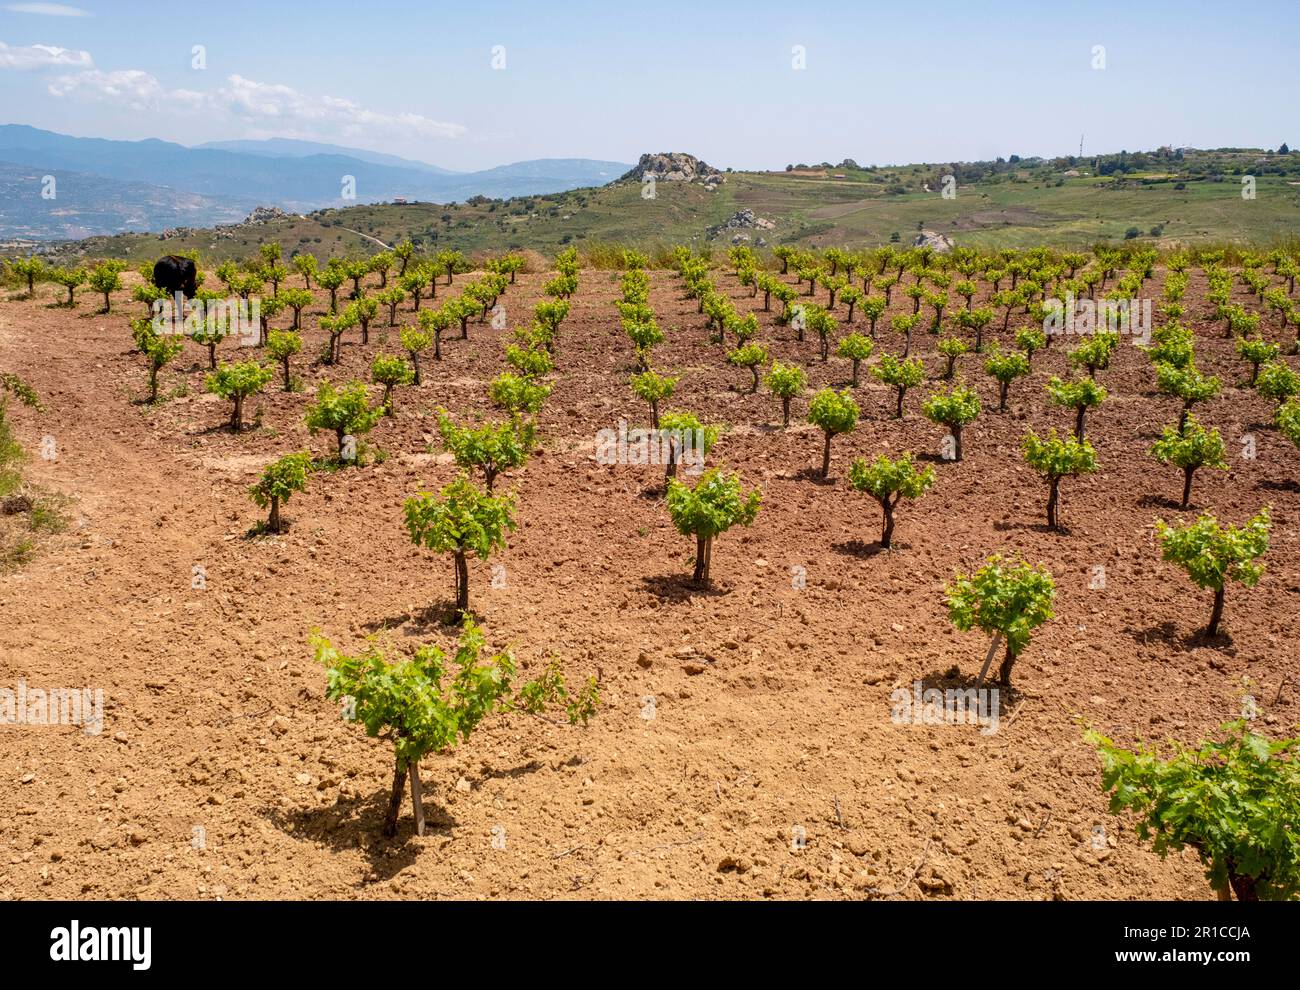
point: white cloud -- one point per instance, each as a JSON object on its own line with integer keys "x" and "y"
{"x": 132, "y": 88}
{"x": 42, "y": 57}
{"x": 262, "y": 108}
{"x": 273, "y": 103}
{"x": 47, "y": 9}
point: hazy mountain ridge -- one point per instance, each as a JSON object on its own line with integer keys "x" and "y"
{"x": 296, "y": 176}
{"x": 85, "y": 205}
{"x": 293, "y": 148}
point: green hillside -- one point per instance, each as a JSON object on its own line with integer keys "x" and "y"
{"x": 1163, "y": 198}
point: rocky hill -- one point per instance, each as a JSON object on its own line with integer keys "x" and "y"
{"x": 673, "y": 166}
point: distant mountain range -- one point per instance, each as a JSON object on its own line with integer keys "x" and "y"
{"x": 290, "y": 148}
{"x": 107, "y": 187}
{"x": 85, "y": 204}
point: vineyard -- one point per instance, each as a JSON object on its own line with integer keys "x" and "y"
{"x": 462, "y": 576}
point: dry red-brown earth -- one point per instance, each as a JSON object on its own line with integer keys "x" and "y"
{"x": 730, "y": 718}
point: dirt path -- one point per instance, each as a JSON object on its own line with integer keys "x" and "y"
{"x": 373, "y": 240}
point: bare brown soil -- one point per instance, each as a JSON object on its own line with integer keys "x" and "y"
{"x": 771, "y": 703}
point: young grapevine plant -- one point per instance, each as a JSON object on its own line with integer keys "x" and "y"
{"x": 1277, "y": 381}
{"x": 1056, "y": 458}
{"x": 426, "y": 703}
{"x": 415, "y": 341}
{"x": 305, "y": 265}
{"x": 159, "y": 351}
{"x": 1007, "y": 600}
{"x": 30, "y": 270}
{"x": 786, "y": 382}
{"x": 1095, "y": 353}
{"x": 281, "y": 345}
{"x": 952, "y": 348}
{"x": 654, "y": 389}
{"x": 1186, "y": 384}
{"x": 873, "y": 307}
{"x": 832, "y": 412}
{"x": 345, "y": 411}
{"x": 492, "y": 447}
{"x": 716, "y": 503}
{"x": 390, "y": 371}
{"x": 1190, "y": 447}
{"x": 1080, "y": 395}
{"x": 1234, "y": 802}
{"x": 532, "y": 360}
{"x": 279, "y": 481}
{"x": 106, "y": 278}
{"x": 1256, "y": 351}
{"x": 901, "y": 374}
{"x": 905, "y": 325}
{"x": 462, "y": 521}
{"x": 518, "y": 394}
{"x": 688, "y": 439}
{"x": 71, "y": 279}
{"x": 857, "y": 348}
{"x": 1005, "y": 368}
{"x": 752, "y": 357}
{"x": 1213, "y": 555}
{"x": 956, "y": 409}
{"x": 889, "y": 482}
{"x": 1288, "y": 421}
{"x": 296, "y": 300}
{"x": 236, "y": 382}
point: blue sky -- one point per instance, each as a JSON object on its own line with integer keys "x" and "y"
{"x": 883, "y": 83}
